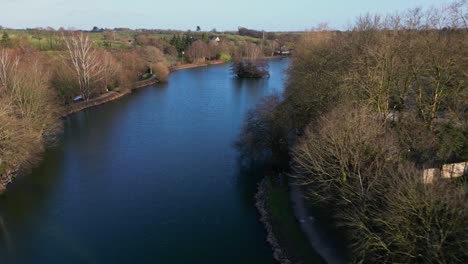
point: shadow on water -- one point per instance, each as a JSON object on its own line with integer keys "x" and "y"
{"x": 25, "y": 199}
{"x": 249, "y": 174}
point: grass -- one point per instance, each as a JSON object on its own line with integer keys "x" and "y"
{"x": 45, "y": 40}
{"x": 241, "y": 38}
{"x": 286, "y": 227}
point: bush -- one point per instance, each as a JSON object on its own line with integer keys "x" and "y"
{"x": 146, "y": 76}
{"x": 64, "y": 83}
{"x": 225, "y": 57}
{"x": 161, "y": 71}
{"x": 133, "y": 66}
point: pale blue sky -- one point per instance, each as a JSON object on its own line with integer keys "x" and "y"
{"x": 184, "y": 14}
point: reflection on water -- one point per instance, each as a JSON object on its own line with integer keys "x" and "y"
{"x": 150, "y": 178}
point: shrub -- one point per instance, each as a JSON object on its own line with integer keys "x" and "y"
{"x": 64, "y": 83}
{"x": 225, "y": 57}
{"x": 160, "y": 71}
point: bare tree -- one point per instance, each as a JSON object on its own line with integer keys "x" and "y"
{"x": 351, "y": 163}
{"x": 198, "y": 51}
{"x": 110, "y": 69}
{"x": 458, "y": 11}
{"x": 346, "y": 151}
{"x": 8, "y": 64}
{"x": 153, "y": 56}
{"x": 28, "y": 111}
{"x": 16, "y": 141}
{"x": 264, "y": 133}
{"x": 84, "y": 61}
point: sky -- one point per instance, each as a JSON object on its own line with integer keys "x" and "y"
{"x": 270, "y": 15}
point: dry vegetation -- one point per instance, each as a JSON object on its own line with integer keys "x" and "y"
{"x": 367, "y": 110}
{"x": 28, "y": 110}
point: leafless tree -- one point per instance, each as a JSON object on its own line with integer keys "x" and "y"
{"x": 264, "y": 134}
{"x": 458, "y": 11}
{"x": 110, "y": 69}
{"x": 351, "y": 162}
{"x": 153, "y": 56}
{"x": 198, "y": 51}
{"x": 84, "y": 61}
{"x": 8, "y": 64}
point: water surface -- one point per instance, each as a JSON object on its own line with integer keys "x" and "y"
{"x": 150, "y": 178}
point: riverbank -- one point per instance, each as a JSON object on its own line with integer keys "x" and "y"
{"x": 284, "y": 234}
{"x": 7, "y": 177}
{"x": 120, "y": 92}
{"x": 195, "y": 65}
{"x": 108, "y": 97}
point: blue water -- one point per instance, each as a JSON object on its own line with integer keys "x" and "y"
{"x": 150, "y": 178}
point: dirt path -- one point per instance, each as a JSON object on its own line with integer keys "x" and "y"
{"x": 311, "y": 229}
{"x": 195, "y": 65}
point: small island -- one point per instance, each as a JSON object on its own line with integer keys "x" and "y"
{"x": 250, "y": 62}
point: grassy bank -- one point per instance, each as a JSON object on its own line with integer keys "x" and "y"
{"x": 286, "y": 227}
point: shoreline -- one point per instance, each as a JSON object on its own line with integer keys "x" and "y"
{"x": 119, "y": 92}
{"x": 108, "y": 97}
{"x": 6, "y": 177}
{"x": 279, "y": 253}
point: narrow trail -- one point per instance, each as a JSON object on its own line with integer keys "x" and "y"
{"x": 311, "y": 228}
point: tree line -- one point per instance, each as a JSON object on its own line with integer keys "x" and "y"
{"x": 363, "y": 113}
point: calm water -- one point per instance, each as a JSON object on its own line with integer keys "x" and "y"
{"x": 150, "y": 178}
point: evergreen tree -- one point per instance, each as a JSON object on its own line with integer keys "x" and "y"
{"x": 5, "y": 41}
